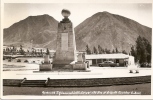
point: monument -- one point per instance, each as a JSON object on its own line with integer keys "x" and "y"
{"x": 46, "y": 65}
{"x": 81, "y": 63}
{"x": 66, "y": 56}
{"x": 132, "y": 66}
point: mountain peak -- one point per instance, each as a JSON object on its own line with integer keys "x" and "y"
{"x": 109, "y": 31}
{"x": 40, "y": 28}
{"x": 38, "y": 16}
{"x": 105, "y": 12}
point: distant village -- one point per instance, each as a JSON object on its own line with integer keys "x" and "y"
{"x": 28, "y": 52}
{"x": 94, "y": 57}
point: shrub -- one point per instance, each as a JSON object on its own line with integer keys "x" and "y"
{"x": 26, "y": 61}
{"x": 19, "y": 60}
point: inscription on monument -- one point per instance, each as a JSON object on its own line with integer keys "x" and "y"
{"x": 64, "y": 41}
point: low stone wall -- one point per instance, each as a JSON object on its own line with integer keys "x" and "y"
{"x": 12, "y": 82}
{"x": 86, "y": 82}
{"x": 99, "y": 81}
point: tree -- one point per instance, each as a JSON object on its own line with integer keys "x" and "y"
{"x": 21, "y": 50}
{"x": 113, "y": 51}
{"x": 107, "y": 51}
{"x": 148, "y": 49}
{"x": 4, "y": 51}
{"x": 95, "y": 50}
{"x": 20, "y": 47}
{"x": 41, "y": 52}
{"x": 140, "y": 49}
{"x": 100, "y": 50}
{"x": 143, "y": 50}
{"x": 117, "y": 50}
{"x": 133, "y": 53}
{"x": 88, "y": 51}
{"x": 149, "y": 53}
{"x": 14, "y": 50}
{"x": 103, "y": 51}
{"x": 35, "y": 52}
{"x": 32, "y": 53}
{"x": 11, "y": 50}
{"x": 8, "y": 49}
{"x": 47, "y": 51}
{"x": 27, "y": 51}
{"x": 124, "y": 52}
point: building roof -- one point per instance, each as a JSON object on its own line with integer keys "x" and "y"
{"x": 107, "y": 56}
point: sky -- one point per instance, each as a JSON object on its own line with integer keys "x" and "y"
{"x": 14, "y": 12}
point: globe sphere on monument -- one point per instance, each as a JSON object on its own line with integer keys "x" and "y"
{"x": 66, "y": 13}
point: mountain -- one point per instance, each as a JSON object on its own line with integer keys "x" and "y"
{"x": 41, "y": 30}
{"x": 109, "y": 31}
{"x": 103, "y": 28}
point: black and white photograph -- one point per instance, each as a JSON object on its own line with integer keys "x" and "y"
{"x": 76, "y": 49}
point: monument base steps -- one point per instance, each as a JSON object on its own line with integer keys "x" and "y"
{"x": 62, "y": 67}
{"x": 62, "y": 62}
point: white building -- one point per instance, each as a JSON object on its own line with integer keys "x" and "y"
{"x": 121, "y": 59}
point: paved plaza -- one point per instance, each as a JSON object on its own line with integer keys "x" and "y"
{"x": 31, "y": 71}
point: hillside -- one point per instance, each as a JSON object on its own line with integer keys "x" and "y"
{"x": 41, "y": 30}
{"x": 103, "y": 28}
{"x": 109, "y": 31}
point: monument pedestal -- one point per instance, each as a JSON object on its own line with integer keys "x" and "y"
{"x": 80, "y": 66}
{"x": 46, "y": 66}
{"x": 81, "y": 62}
{"x": 66, "y": 57}
{"x": 65, "y": 46}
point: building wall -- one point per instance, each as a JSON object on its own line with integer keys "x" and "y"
{"x": 121, "y": 62}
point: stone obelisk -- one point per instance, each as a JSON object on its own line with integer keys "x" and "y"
{"x": 65, "y": 45}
